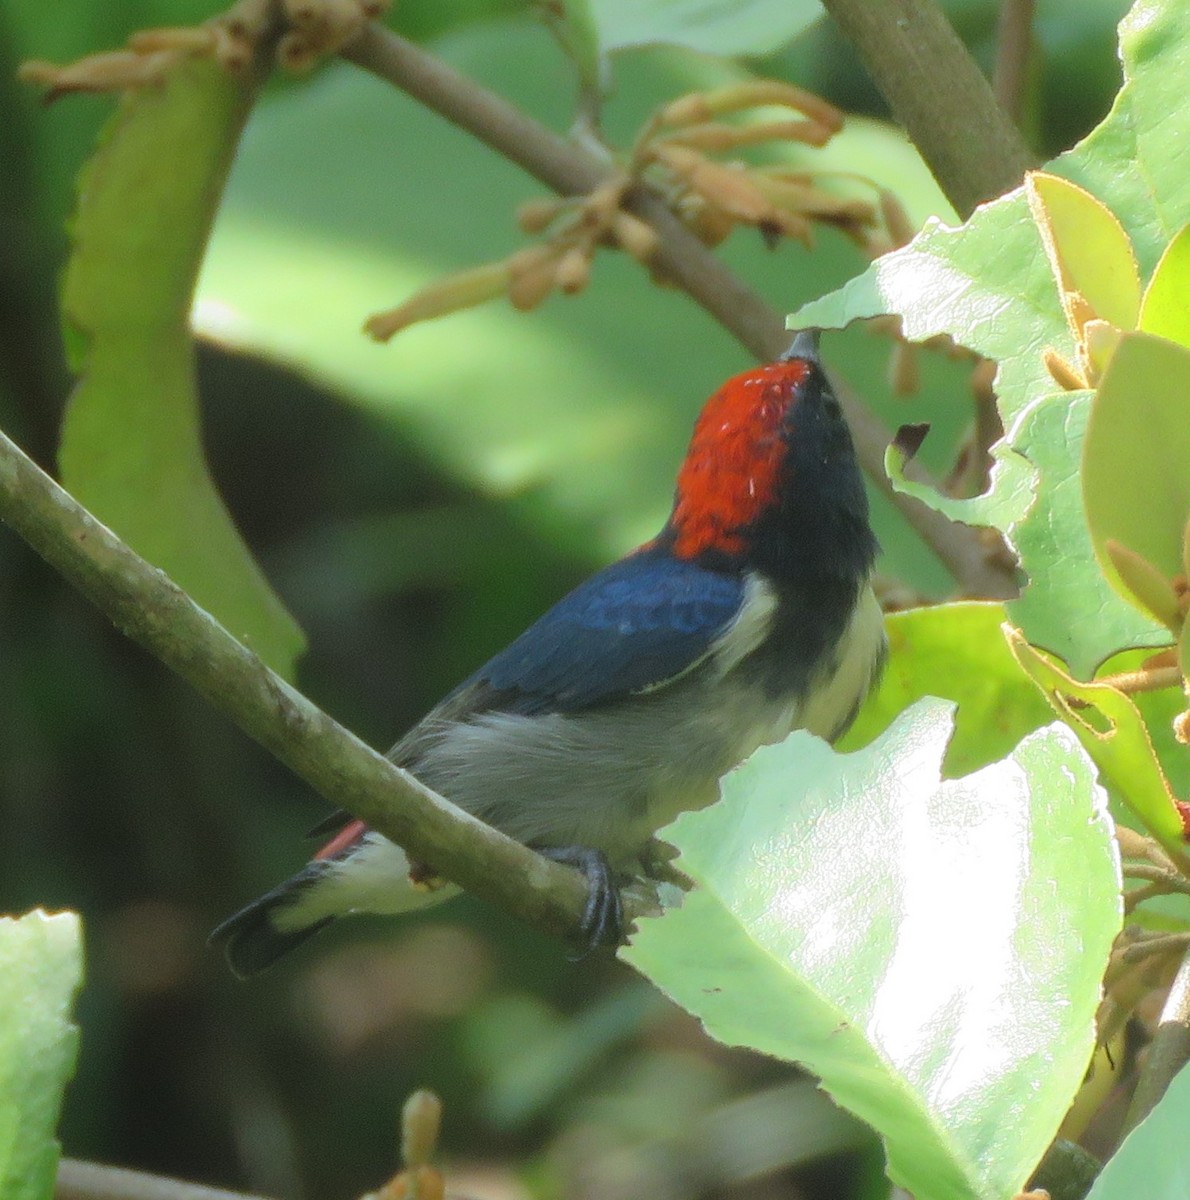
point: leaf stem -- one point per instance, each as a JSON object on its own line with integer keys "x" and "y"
{"x": 571, "y": 169}
{"x": 152, "y": 610}
{"x": 1132, "y": 682}
{"x": 937, "y": 91}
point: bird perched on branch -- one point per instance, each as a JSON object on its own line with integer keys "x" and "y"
{"x": 749, "y": 615}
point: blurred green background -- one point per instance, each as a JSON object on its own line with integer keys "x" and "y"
{"x": 415, "y": 505}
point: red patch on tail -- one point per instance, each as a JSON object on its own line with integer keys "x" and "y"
{"x": 734, "y": 463}
{"x": 343, "y": 840}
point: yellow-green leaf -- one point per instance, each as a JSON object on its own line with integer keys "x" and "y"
{"x": 1088, "y": 251}
{"x": 1166, "y": 308}
{"x": 1136, "y": 456}
{"x": 1113, "y": 732}
{"x": 131, "y": 444}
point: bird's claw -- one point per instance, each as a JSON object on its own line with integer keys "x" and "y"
{"x": 603, "y": 915}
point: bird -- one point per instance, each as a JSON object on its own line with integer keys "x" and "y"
{"x": 749, "y": 615}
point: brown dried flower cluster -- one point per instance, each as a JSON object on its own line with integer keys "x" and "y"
{"x": 673, "y": 154}
{"x": 315, "y": 29}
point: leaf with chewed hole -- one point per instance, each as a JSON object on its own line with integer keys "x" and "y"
{"x": 1115, "y": 735}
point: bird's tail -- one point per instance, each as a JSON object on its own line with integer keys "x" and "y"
{"x": 356, "y": 871}
{"x": 252, "y": 938}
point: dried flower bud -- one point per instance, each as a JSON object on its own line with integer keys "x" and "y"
{"x": 190, "y": 39}
{"x": 703, "y": 106}
{"x": 728, "y": 187}
{"x": 1181, "y": 728}
{"x": 896, "y": 219}
{"x": 108, "y": 72}
{"x": 320, "y": 27}
{"x": 533, "y": 274}
{"x": 463, "y": 290}
{"x": 533, "y": 216}
{"x": 638, "y": 237}
{"x": 904, "y": 375}
{"x": 428, "y": 1184}
{"x": 574, "y": 269}
{"x": 421, "y": 1119}
{"x": 1063, "y": 374}
{"x": 812, "y": 201}
{"x": 709, "y": 223}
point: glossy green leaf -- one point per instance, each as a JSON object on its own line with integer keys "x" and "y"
{"x": 1068, "y": 608}
{"x": 903, "y": 937}
{"x": 131, "y": 444}
{"x": 957, "y": 652}
{"x": 1153, "y": 1161}
{"x": 40, "y": 971}
{"x": 1115, "y": 735}
{"x": 724, "y": 27}
{"x": 1165, "y": 311}
{"x": 1136, "y": 459}
{"x": 988, "y": 285}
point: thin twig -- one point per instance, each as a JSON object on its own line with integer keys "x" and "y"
{"x": 1132, "y": 683}
{"x": 154, "y": 611}
{"x": 1156, "y": 945}
{"x": 571, "y": 169}
{"x": 1167, "y": 879}
{"x": 79, "y": 1180}
{"x": 938, "y": 93}
{"x": 1169, "y": 1050}
{"x": 1014, "y": 48}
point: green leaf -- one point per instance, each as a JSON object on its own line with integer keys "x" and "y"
{"x": 1069, "y": 608}
{"x": 1088, "y": 251}
{"x": 957, "y": 652}
{"x": 989, "y": 286}
{"x": 1165, "y": 311}
{"x": 1006, "y": 504}
{"x": 1152, "y": 1161}
{"x": 1136, "y": 459}
{"x": 903, "y": 937}
{"x": 1115, "y": 735}
{"x": 40, "y": 971}
{"x": 1136, "y": 160}
{"x": 573, "y": 23}
{"x": 722, "y": 27}
{"x": 131, "y": 444}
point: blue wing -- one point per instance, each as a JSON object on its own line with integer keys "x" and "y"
{"x": 634, "y": 625}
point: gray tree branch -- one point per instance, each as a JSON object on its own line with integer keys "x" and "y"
{"x": 152, "y": 610}
{"x": 78, "y": 1180}
{"x": 937, "y": 91}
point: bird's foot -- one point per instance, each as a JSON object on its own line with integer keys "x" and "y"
{"x": 603, "y": 917}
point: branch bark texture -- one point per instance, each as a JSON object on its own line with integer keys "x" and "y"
{"x": 570, "y": 169}
{"x": 152, "y": 610}
{"x": 938, "y": 93}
